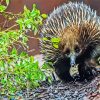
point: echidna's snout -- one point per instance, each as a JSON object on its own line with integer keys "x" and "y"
{"x": 72, "y": 60}
{"x": 72, "y": 54}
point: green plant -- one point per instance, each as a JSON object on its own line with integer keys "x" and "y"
{"x": 31, "y": 19}
{"x": 54, "y": 41}
{"x": 18, "y": 70}
{"x": 3, "y": 7}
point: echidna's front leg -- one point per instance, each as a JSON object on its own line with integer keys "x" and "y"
{"x": 87, "y": 71}
{"x": 62, "y": 69}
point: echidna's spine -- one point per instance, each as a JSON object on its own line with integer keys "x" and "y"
{"x": 70, "y": 15}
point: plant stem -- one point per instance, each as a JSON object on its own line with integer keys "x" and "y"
{"x": 11, "y": 27}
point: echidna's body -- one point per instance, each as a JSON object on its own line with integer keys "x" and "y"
{"x": 78, "y": 28}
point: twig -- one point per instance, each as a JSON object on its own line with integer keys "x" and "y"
{"x": 11, "y": 27}
{"x": 4, "y": 23}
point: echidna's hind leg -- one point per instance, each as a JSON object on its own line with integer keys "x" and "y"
{"x": 87, "y": 71}
{"x": 62, "y": 69}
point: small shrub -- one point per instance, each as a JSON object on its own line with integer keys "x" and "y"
{"x": 19, "y": 71}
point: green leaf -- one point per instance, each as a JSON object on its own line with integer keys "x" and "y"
{"x": 25, "y": 8}
{"x": 29, "y": 26}
{"x": 2, "y": 8}
{"x": 23, "y": 54}
{"x": 21, "y": 23}
{"x": 55, "y": 45}
{"x": 3, "y": 81}
{"x": 55, "y": 40}
{"x": 45, "y": 66}
{"x": 49, "y": 80}
{"x": 44, "y": 39}
{"x": 7, "y": 2}
{"x": 31, "y": 59}
{"x": 14, "y": 51}
{"x": 34, "y": 6}
{"x": 26, "y": 13}
{"x": 44, "y": 15}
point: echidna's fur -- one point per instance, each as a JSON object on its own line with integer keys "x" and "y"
{"x": 73, "y": 23}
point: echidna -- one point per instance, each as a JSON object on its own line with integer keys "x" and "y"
{"x": 76, "y": 29}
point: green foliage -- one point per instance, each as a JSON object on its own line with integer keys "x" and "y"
{"x": 31, "y": 19}
{"x": 55, "y": 42}
{"x": 46, "y": 67}
{"x": 2, "y": 7}
{"x": 9, "y": 38}
{"x": 18, "y": 70}
{"x": 7, "y": 2}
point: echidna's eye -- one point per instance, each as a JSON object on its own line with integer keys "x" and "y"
{"x": 67, "y": 51}
{"x": 77, "y": 49}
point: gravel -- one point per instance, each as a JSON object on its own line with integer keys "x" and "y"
{"x": 66, "y": 91}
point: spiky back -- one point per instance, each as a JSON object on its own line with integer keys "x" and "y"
{"x": 70, "y": 15}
